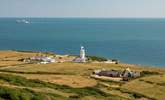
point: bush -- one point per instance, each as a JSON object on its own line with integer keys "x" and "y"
{"x": 25, "y": 94}
{"x": 14, "y": 94}
{"x": 96, "y": 58}
{"x": 144, "y": 73}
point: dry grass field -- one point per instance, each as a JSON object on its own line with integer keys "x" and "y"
{"x": 151, "y": 86}
{"x": 15, "y": 54}
{"x": 10, "y": 63}
{"x": 70, "y": 80}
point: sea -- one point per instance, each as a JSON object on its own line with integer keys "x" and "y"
{"x": 130, "y": 40}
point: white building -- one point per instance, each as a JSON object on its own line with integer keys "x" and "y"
{"x": 82, "y": 57}
{"x": 82, "y": 54}
{"x": 43, "y": 59}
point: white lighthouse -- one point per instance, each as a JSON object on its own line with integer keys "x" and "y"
{"x": 82, "y": 54}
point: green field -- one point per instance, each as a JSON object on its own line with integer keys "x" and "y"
{"x": 72, "y": 81}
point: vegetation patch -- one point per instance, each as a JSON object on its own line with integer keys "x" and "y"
{"x": 21, "y": 81}
{"x": 96, "y": 58}
{"x": 147, "y": 73}
{"x": 111, "y": 82}
{"x": 146, "y": 81}
{"x": 37, "y": 72}
{"x": 7, "y": 93}
{"x": 161, "y": 84}
{"x": 135, "y": 94}
{"x": 21, "y": 64}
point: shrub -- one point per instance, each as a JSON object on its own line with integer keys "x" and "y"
{"x": 7, "y": 93}
{"x": 144, "y": 73}
{"x": 13, "y": 94}
{"x": 96, "y": 58}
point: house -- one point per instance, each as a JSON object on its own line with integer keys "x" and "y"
{"x": 43, "y": 59}
{"x": 38, "y": 60}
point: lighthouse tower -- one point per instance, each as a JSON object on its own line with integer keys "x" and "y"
{"x": 82, "y": 54}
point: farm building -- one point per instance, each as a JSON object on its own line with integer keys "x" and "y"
{"x": 125, "y": 74}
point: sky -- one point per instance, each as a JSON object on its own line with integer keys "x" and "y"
{"x": 83, "y": 8}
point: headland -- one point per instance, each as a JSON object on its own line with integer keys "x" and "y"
{"x": 49, "y": 76}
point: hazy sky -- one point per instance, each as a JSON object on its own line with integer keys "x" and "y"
{"x": 82, "y": 8}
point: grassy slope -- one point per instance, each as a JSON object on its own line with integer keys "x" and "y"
{"x": 50, "y": 80}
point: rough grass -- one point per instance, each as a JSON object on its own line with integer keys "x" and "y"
{"x": 10, "y": 63}
{"x": 7, "y": 93}
{"x": 81, "y": 92}
{"x": 70, "y": 80}
{"x": 146, "y": 88}
{"x": 15, "y": 54}
{"x": 135, "y": 95}
{"x": 154, "y": 79}
{"x": 150, "y": 86}
{"x": 68, "y": 68}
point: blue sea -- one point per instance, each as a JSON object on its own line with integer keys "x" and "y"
{"x": 135, "y": 41}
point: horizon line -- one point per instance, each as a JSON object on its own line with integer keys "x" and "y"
{"x": 89, "y": 17}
